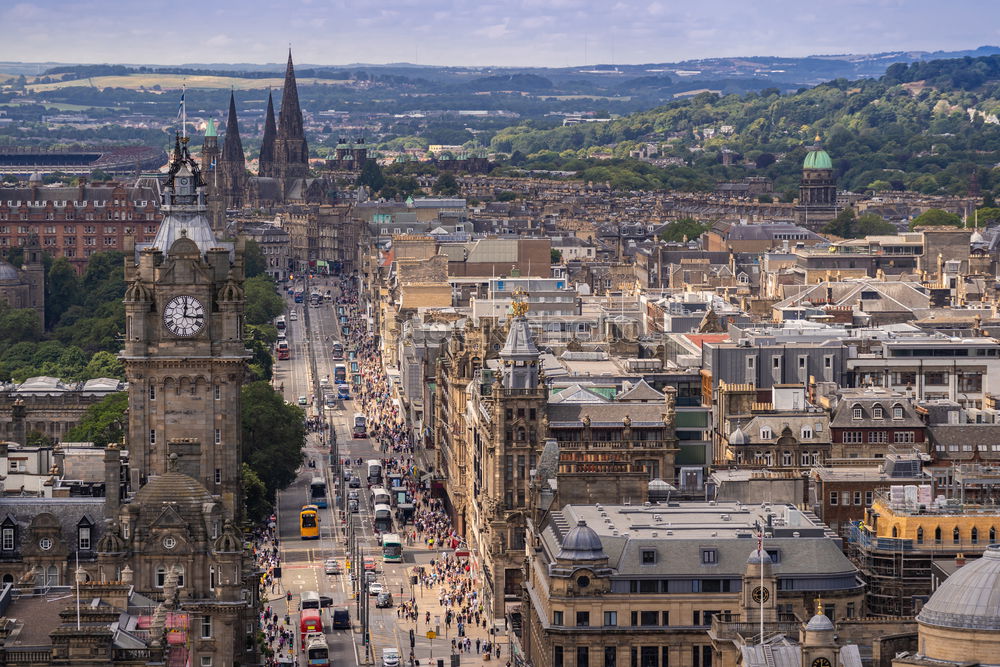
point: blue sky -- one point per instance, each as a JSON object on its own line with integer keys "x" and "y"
{"x": 490, "y": 32}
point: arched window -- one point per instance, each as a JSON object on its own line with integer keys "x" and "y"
{"x": 993, "y": 534}
{"x": 878, "y": 412}
{"x": 161, "y": 576}
{"x": 937, "y": 535}
{"x": 920, "y": 534}
{"x": 955, "y": 535}
{"x": 895, "y": 532}
{"x": 897, "y": 411}
{"x": 975, "y": 535}
{"x": 52, "y": 576}
{"x": 857, "y": 412}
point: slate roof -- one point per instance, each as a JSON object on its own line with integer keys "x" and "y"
{"x": 640, "y": 392}
{"x": 68, "y": 512}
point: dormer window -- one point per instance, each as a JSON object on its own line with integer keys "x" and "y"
{"x": 8, "y": 535}
{"x": 857, "y": 412}
{"x": 83, "y": 536}
{"x": 765, "y": 433}
{"x": 897, "y": 411}
{"x": 878, "y": 412}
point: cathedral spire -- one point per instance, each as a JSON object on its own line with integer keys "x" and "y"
{"x": 232, "y": 164}
{"x": 291, "y": 154}
{"x": 232, "y": 149}
{"x": 266, "y": 162}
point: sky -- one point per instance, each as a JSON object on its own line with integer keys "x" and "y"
{"x": 518, "y": 33}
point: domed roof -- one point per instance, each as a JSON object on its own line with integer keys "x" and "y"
{"x": 970, "y": 598}
{"x": 582, "y": 543}
{"x": 183, "y": 492}
{"x": 819, "y": 623}
{"x": 737, "y": 437}
{"x": 8, "y": 274}
{"x": 977, "y": 238}
{"x": 817, "y": 158}
{"x": 758, "y": 557}
{"x": 36, "y": 177}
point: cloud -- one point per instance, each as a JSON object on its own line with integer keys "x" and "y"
{"x": 220, "y": 40}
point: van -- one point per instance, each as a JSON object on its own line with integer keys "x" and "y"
{"x": 342, "y": 619}
{"x": 390, "y": 657}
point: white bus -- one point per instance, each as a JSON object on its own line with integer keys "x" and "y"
{"x": 383, "y": 518}
{"x": 380, "y": 496}
{"x": 374, "y": 471}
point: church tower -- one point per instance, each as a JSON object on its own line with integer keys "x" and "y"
{"x": 184, "y": 355}
{"x": 291, "y": 154}
{"x": 233, "y": 165}
{"x": 210, "y": 171}
{"x": 265, "y": 164}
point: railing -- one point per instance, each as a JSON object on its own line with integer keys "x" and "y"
{"x": 32, "y": 654}
{"x": 612, "y": 444}
{"x": 132, "y": 654}
{"x": 747, "y": 629}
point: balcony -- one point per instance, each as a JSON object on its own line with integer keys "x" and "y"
{"x": 631, "y": 445}
{"x": 749, "y": 633}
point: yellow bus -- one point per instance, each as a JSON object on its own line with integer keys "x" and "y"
{"x": 309, "y": 522}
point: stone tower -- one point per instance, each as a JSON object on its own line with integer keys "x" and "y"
{"x": 291, "y": 154}
{"x": 210, "y": 171}
{"x": 265, "y": 164}
{"x": 817, "y": 188}
{"x": 184, "y": 353}
{"x": 760, "y": 589}
{"x": 233, "y": 165}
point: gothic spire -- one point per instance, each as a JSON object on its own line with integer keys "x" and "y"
{"x": 266, "y": 161}
{"x": 290, "y": 119}
{"x": 291, "y": 154}
{"x": 232, "y": 149}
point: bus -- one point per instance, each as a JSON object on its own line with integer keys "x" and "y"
{"x": 392, "y": 548}
{"x": 338, "y": 351}
{"x": 317, "y": 652}
{"x": 284, "y": 352}
{"x": 340, "y": 374}
{"x": 309, "y": 600}
{"x": 383, "y": 518}
{"x": 317, "y": 492}
{"x": 344, "y": 392}
{"x": 374, "y": 469}
{"x": 360, "y": 429}
{"x": 310, "y": 621}
{"x": 280, "y": 323}
{"x": 379, "y": 496}
{"x": 309, "y": 522}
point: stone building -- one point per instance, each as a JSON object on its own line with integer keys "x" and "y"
{"x": 817, "y": 189}
{"x": 49, "y": 406}
{"x": 25, "y": 287}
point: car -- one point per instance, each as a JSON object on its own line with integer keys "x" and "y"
{"x": 352, "y": 506}
{"x": 293, "y": 316}
{"x": 384, "y": 600}
{"x": 390, "y": 657}
{"x": 348, "y": 473}
{"x": 352, "y": 494}
{"x": 324, "y": 382}
{"x": 331, "y": 566}
{"x": 355, "y": 482}
{"x": 303, "y": 400}
{"x": 374, "y": 588}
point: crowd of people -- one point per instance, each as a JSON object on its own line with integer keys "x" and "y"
{"x": 277, "y": 631}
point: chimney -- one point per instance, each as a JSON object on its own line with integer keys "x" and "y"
{"x": 18, "y": 414}
{"x": 112, "y": 480}
{"x": 959, "y": 560}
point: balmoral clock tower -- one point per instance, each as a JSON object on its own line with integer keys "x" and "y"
{"x": 184, "y": 353}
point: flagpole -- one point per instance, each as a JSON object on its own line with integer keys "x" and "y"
{"x": 184, "y": 111}
{"x": 760, "y": 556}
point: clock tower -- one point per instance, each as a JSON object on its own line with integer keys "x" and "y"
{"x": 760, "y": 590}
{"x": 184, "y": 353}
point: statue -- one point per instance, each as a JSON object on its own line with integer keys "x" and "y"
{"x": 519, "y": 303}
{"x": 627, "y": 421}
{"x": 670, "y": 401}
{"x": 586, "y": 421}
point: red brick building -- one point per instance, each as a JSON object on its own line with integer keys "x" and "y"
{"x": 76, "y": 222}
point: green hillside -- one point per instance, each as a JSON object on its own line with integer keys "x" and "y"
{"x": 930, "y": 127}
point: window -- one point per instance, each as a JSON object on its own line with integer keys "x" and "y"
{"x": 218, "y": 392}
{"x": 206, "y": 661}
{"x": 583, "y": 619}
{"x": 834, "y": 498}
{"x": 211, "y": 576}
{"x": 897, "y": 412}
{"x": 786, "y": 458}
{"x": 648, "y": 618}
{"x": 920, "y": 535}
{"x": 218, "y": 475}
{"x": 975, "y": 535}
{"x": 218, "y": 436}
{"x": 857, "y": 412}
{"x": 206, "y": 627}
{"x": 83, "y": 538}
{"x": 878, "y": 412}
{"x": 648, "y": 557}
{"x": 582, "y": 656}
{"x": 7, "y": 538}
{"x": 903, "y": 437}
{"x": 152, "y": 392}
{"x": 853, "y": 437}
{"x": 956, "y": 536}
{"x": 869, "y": 497}
{"x": 557, "y": 656}
{"x": 877, "y": 437}
{"x": 161, "y": 576}
{"x": 937, "y": 535}
{"x": 857, "y": 497}
{"x": 709, "y": 556}
{"x": 610, "y": 618}
{"x": 610, "y": 656}
{"x": 765, "y": 433}
{"x": 557, "y": 618}
{"x": 806, "y": 433}
{"x": 152, "y": 436}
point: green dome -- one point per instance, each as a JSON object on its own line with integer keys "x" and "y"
{"x": 817, "y": 158}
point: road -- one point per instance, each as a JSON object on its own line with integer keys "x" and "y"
{"x": 303, "y": 560}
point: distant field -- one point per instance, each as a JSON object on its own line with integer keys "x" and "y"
{"x": 6, "y": 77}
{"x": 60, "y": 106}
{"x": 175, "y": 81}
{"x": 583, "y": 97}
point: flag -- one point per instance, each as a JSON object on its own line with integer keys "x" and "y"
{"x": 180, "y": 106}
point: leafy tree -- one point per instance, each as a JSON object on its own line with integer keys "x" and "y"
{"x": 869, "y": 224}
{"x": 273, "y": 436}
{"x": 259, "y": 341}
{"x": 19, "y": 324}
{"x": 103, "y": 422}
{"x": 62, "y": 290}
{"x": 254, "y": 262}
{"x": 765, "y": 160}
{"x": 99, "y": 175}
{"x": 38, "y": 439}
{"x": 262, "y": 303}
{"x": 880, "y": 185}
{"x": 446, "y": 185}
{"x": 555, "y": 256}
{"x": 685, "y": 228}
{"x": 987, "y": 216}
{"x": 258, "y": 508}
{"x": 842, "y": 224}
{"x": 935, "y": 217}
{"x": 371, "y": 175}
{"x": 765, "y": 199}
{"x": 103, "y": 364}
{"x": 506, "y": 195}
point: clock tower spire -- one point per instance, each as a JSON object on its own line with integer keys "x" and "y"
{"x": 184, "y": 353}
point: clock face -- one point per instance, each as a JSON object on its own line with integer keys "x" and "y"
{"x": 820, "y": 662}
{"x": 183, "y": 181}
{"x": 760, "y": 594}
{"x": 45, "y": 543}
{"x": 184, "y": 316}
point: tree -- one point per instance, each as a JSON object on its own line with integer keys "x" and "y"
{"x": 99, "y": 175}
{"x": 869, "y": 224}
{"x": 841, "y": 225}
{"x": 19, "y": 324}
{"x": 38, "y": 439}
{"x": 765, "y": 160}
{"x": 104, "y": 364}
{"x": 935, "y": 217}
{"x": 273, "y": 436}
{"x": 254, "y": 262}
{"x": 555, "y": 256}
{"x": 683, "y": 229}
{"x": 62, "y": 290}
{"x": 987, "y": 216}
{"x": 103, "y": 422}
{"x": 255, "y": 495}
{"x": 371, "y": 176}
{"x": 446, "y": 185}
{"x": 262, "y": 303}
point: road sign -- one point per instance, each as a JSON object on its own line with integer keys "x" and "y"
{"x": 431, "y": 634}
